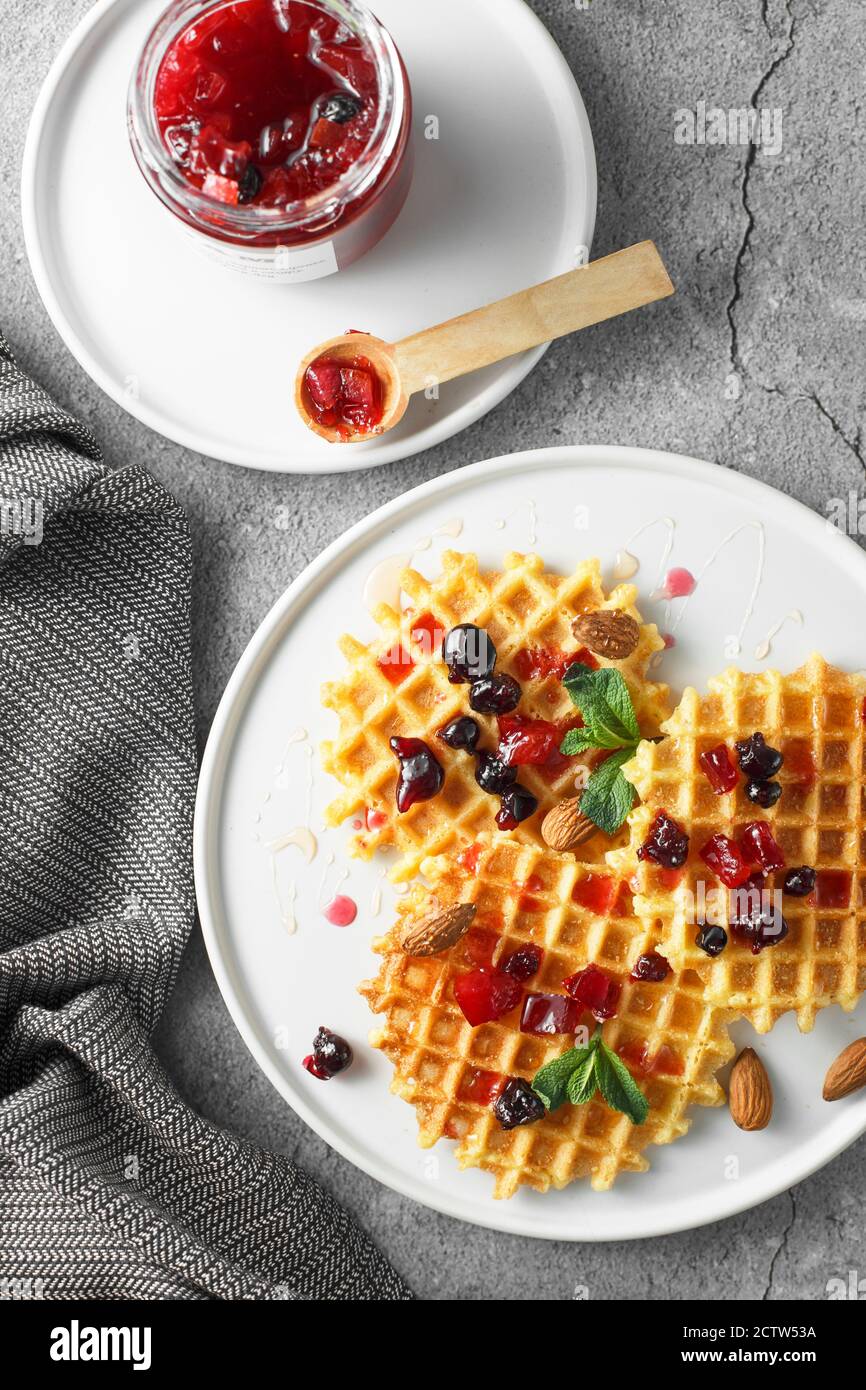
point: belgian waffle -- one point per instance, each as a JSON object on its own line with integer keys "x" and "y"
{"x": 672, "y": 1040}
{"x": 398, "y": 685}
{"x": 815, "y": 717}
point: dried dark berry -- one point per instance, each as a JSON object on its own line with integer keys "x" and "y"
{"x": 713, "y": 940}
{"x": 461, "y": 733}
{"x": 764, "y": 794}
{"x": 517, "y": 805}
{"x": 493, "y": 776}
{"x": 421, "y": 774}
{"x": 666, "y": 843}
{"x": 518, "y": 1104}
{"x": 798, "y": 883}
{"x": 494, "y": 695}
{"x": 341, "y": 107}
{"x": 757, "y": 759}
{"x": 651, "y": 967}
{"x": 249, "y": 184}
{"x": 522, "y": 963}
{"x": 468, "y": 653}
{"x": 756, "y": 918}
{"x": 331, "y": 1054}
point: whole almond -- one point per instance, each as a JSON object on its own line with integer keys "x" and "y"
{"x": 848, "y": 1072}
{"x": 566, "y": 827}
{"x": 429, "y": 935}
{"x": 607, "y": 632}
{"x": 750, "y": 1095}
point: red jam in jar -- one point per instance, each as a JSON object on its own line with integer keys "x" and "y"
{"x": 345, "y": 396}
{"x": 275, "y": 124}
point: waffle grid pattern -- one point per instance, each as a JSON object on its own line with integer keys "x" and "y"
{"x": 524, "y": 894}
{"x": 522, "y": 607}
{"x": 815, "y": 717}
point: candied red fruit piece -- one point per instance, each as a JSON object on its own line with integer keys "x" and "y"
{"x": 718, "y": 769}
{"x": 528, "y": 890}
{"x": 545, "y": 1014}
{"x": 724, "y": 856}
{"x": 349, "y": 61}
{"x": 359, "y": 386}
{"x": 800, "y": 761}
{"x": 480, "y": 1086}
{"x": 395, "y": 664}
{"x": 479, "y": 945}
{"x": 324, "y": 379}
{"x": 211, "y": 153}
{"x": 833, "y": 888}
{"x": 597, "y": 892}
{"x": 582, "y": 657}
{"x": 635, "y": 1054}
{"x": 468, "y": 858}
{"x": 223, "y": 190}
{"x": 666, "y": 1062}
{"x": 558, "y": 761}
{"x": 760, "y": 846}
{"x": 427, "y": 633}
{"x": 326, "y": 135}
{"x": 595, "y": 990}
{"x": 537, "y": 663}
{"x": 485, "y": 995}
{"x": 525, "y": 741}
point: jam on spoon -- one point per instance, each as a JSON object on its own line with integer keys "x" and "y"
{"x": 344, "y": 395}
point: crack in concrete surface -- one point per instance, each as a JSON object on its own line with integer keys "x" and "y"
{"x": 855, "y": 444}
{"x": 737, "y": 364}
{"x": 781, "y": 1248}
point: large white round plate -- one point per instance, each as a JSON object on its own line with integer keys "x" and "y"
{"x": 504, "y": 198}
{"x": 566, "y": 504}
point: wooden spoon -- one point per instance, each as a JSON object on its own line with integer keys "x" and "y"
{"x": 601, "y": 290}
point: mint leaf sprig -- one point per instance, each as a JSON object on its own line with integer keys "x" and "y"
{"x": 580, "y": 1072}
{"x": 610, "y": 724}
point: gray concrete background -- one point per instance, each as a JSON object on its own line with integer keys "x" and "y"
{"x": 767, "y": 253}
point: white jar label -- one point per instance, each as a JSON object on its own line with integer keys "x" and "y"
{"x": 283, "y": 265}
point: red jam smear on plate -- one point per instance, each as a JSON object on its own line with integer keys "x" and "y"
{"x": 264, "y": 102}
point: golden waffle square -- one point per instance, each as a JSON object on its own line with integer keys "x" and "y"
{"x": 815, "y": 717}
{"x": 524, "y": 609}
{"x": 672, "y": 1041}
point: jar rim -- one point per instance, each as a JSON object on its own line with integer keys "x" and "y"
{"x": 168, "y": 181}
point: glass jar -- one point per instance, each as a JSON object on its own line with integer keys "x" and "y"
{"x": 277, "y": 132}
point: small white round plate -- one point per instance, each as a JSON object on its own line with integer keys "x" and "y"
{"x": 502, "y": 199}
{"x": 260, "y": 779}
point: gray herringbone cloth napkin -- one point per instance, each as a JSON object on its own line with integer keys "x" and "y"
{"x": 110, "y": 1186}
